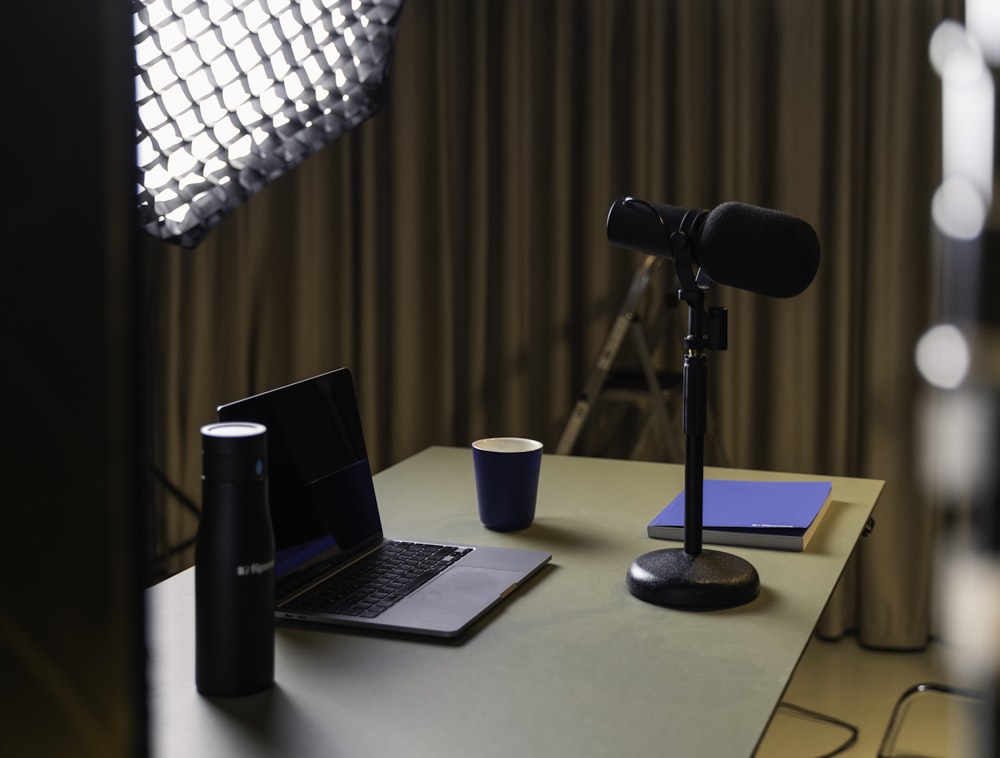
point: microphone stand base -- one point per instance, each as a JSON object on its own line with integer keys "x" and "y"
{"x": 677, "y": 579}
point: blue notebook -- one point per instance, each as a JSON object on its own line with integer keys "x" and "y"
{"x": 779, "y": 515}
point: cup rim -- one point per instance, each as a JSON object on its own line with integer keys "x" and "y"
{"x": 507, "y": 445}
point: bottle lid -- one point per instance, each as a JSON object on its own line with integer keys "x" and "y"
{"x": 234, "y": 451}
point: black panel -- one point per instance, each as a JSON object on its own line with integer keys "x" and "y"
{"x": 72, "y": 651}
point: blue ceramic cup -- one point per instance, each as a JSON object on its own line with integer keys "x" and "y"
{"x": 506, "y": 481}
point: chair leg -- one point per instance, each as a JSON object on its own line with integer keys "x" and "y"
{"x": 903, "y": 704}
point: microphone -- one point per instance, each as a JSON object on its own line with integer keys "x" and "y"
{"x": 763, "y": 251}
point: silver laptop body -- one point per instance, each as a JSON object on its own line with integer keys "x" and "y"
{"x": 327, "y": 525}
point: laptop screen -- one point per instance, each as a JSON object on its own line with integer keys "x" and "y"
{"x": 321, "y": 493}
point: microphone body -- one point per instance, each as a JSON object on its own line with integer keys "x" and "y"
{"x": 763, "y": 251}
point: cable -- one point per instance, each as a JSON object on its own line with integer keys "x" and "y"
{"x": 158, "y": 562}
{"x": 816, "y": 716}
{"x": 174, "y": 490}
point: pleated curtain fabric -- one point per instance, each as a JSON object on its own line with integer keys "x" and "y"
{"x": 452, "y": 251}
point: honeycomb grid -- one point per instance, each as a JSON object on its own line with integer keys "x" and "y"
{"x": 230, "y": 95}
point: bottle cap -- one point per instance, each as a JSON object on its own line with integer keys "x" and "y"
{"x": 234, "y": 451}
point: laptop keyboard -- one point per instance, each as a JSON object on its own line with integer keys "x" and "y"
{"x": 379, "y": 581}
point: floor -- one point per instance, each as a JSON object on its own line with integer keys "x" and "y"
{"x": 860, "y": 687}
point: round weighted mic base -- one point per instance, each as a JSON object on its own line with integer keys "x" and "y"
{"x": 711, "y": 579}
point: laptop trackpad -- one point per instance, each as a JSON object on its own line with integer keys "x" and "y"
{"x": 477, "y": 583}
{"x": 446, "y": 603}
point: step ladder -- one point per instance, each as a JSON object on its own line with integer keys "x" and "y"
{"x": 646, "y": 386}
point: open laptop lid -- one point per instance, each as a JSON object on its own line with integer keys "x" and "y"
{"x": 322, "y": 497}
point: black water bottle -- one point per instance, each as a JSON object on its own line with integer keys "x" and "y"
{"x": 234, "y": 564}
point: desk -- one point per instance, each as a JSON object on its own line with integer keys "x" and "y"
{"x": 570, "y": 665}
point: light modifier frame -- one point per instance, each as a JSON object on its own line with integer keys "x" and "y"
{"x": 231, "y": 94}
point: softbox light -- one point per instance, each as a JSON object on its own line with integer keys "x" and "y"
{"x": 231, "y": 94}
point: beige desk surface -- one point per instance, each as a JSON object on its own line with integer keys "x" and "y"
{"x": 571, "y": 665}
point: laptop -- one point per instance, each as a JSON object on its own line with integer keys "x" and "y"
{"x": 328, "y": 531}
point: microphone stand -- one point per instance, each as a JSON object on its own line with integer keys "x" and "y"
{"x": 692, "y": 577}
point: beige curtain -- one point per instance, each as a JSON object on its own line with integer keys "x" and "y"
{"x": 452, "y": 250}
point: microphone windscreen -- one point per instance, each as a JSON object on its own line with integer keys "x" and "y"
{"x": 757, "y": 249}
